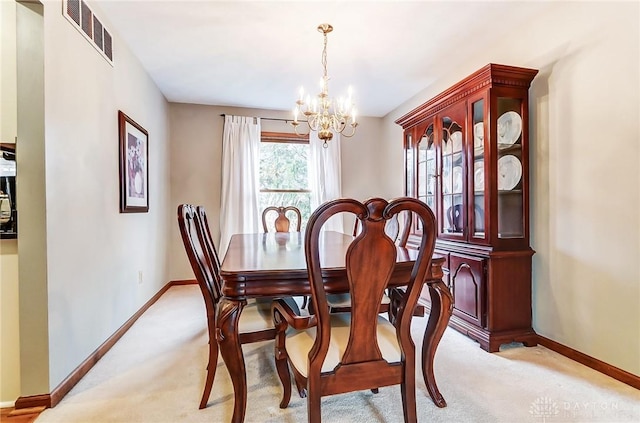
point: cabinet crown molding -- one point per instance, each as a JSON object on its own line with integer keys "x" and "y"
{"x": 491, "y": 75}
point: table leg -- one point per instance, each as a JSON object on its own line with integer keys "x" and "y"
{"x": 231, "y": 351}
{"x": 441, "y": 309}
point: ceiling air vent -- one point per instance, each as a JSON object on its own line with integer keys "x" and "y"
{"x": 82, "y": 18}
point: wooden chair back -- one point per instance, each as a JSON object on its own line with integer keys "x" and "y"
{"x": 194, "y": 230}
{"x": 282, "y": 222}
{"x": 370, "y": 260}
{"x": 212, "y": 253}
{"x": 403, "y": 236}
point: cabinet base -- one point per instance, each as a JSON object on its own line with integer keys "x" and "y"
{"x": 491, "y": 341}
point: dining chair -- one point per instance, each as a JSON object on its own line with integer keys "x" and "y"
{"x": 255, "y": 324}
{"x": 335, "y": 353}
{"x": 282, "y": 223}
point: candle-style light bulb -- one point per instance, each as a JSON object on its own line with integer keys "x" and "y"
{"x": 295, "y": 114}
{"x": 301, "y": 93}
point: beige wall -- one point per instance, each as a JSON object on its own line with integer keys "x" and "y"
{"x": 94, "y": 253}
{"x": 585, "y": 182}
{"x": 31, "y": 195}
{"x": 8, "y": 71}
{"x": 9, "y": 298}
{"x": 9, "y": 323}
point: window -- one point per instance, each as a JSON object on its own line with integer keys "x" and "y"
{"x": 284, "y": 173}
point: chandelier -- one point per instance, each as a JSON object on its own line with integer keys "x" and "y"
{"x": 323, "y": 114}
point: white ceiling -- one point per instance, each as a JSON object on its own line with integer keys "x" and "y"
{"x": 257, "y": 54}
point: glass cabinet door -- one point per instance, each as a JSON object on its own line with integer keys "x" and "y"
{"x": 479, "y": 173}
{"x": 427, "y": 168}
{"x": 452, "y": 219}
{"x": 426, "y": 152}
{"x": 509, "y": 168}
{"x": 409, "y": 176}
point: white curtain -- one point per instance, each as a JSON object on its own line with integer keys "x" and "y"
{"x": 325, "y": 175}
{"x": 239, "y": 211}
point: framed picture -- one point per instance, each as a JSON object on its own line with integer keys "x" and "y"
{"x": 134, "y": 166}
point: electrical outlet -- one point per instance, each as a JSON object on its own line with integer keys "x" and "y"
{"x": 139, "y": 276}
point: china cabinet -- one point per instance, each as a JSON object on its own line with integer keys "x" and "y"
{"x": 467, "y": 156}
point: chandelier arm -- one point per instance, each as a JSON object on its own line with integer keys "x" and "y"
{"x": 295, "y": 129}
{"x": 337, "y": 123}
{"x": 313, "y": 122}
{"x": 353, "y": 131}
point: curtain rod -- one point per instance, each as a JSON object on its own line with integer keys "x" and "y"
{"x": 277, "y": 119}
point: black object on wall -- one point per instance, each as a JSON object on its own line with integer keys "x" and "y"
{"x": 8, "y": 199}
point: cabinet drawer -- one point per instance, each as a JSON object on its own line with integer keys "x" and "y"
{"x": 467, "y": 279}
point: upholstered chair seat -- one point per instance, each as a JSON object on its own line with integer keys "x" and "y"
{"x": 256, "y": 316}
{"x": 340, "y": 303}
{"x": 299, "y": 343}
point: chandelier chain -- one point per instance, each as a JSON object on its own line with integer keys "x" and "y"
{"x": 324, "y": 57}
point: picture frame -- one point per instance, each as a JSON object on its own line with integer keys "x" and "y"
{"x": 134, "y": 165}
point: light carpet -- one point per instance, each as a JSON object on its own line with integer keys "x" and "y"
{"x": 156, "y": 371}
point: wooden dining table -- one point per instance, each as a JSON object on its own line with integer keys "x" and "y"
{"x": 270, "y": 265}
